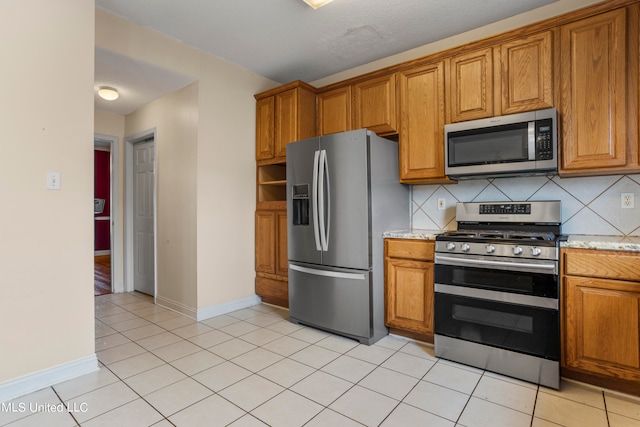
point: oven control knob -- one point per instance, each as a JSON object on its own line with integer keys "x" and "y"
{"x": 490, "y": 249}
{"x": 535, "y": 251}
{"x": 451, "y": 246}
{"x": 517, "y": 250}
{"x": 465, "y": 247}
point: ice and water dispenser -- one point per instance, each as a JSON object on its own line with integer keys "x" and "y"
{"x": 300, "y": 198}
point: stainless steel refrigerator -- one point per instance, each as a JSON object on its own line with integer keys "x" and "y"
{"x": 343, "y": 192}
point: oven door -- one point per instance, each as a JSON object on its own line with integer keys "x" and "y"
{"x": 517, "y": 276}
{"x": 507, "y": 304}
{"x": 525, "y": 329}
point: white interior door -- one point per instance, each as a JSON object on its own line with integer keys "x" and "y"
{"x": 143, "y": 249}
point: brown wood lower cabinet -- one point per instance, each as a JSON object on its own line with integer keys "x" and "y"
{"x": 409, "y": 288}
{"x": 271, "y": 254}
{"x": 601, "y": 318}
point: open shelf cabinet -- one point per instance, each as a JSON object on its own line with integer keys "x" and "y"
{"x": 272, "y": 183}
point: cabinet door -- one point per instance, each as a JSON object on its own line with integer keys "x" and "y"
{"x": 602, "y": 326}
{"x": 375, "y": 105}
{"x": 409, "y": 295}
{"x": 334, "y": 111}
{"x": 471, "y": 85}
{"x": 593, "y": 101}
{"x": 527, "y": 74}
{"x": 286, "y": 121}
{"x": 265, "y": 242}
{"x": 282, "y": 257}
{"x": 422, "y": 123}
{"x": 265, "y": 109}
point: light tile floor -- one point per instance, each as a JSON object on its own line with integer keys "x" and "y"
{"x": 254, "y": 368}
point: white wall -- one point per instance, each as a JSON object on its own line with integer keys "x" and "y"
{"x": 175, "y": 120}
{"x": 223, "y": 268}
{"x": 46, "y": 255}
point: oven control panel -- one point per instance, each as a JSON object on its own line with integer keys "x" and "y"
{"x": 507, "y": 208}
{"x": 530, "y": 212}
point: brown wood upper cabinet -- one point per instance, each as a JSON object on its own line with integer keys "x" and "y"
{"x": 526, "y": 68}
{"x": 375, "y": 105}
{"x": 367, "y": 104}
{"x": 422, "y": 106}
{"x": 599, "y": 96}
{"x": 471, "y": 85}
{"x": 334, "y": 111}
{"x": 283, "y": 115}
{"x": 265, "y": 136}
{"x": 512, "y": 77}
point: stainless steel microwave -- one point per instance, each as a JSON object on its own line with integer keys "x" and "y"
{"x": 517, "y": 144}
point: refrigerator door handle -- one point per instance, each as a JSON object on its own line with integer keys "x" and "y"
{"x": 324, "y": 219}
{"x": 314, "y": 200}
{"x": 326, "y": 273}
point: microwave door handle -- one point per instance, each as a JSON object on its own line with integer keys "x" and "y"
{"x": 314, "y": 200}
{"x": 531, "y": 145}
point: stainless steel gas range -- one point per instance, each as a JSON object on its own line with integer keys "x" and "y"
{"x": 497, "y": 289}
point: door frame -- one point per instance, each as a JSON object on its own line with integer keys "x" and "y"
{"x": 130, "y": 141}
{"x": 101, "y": 140}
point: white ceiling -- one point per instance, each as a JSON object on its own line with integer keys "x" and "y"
{"x": 138, "y": 82}
{"x": 286, "y": 40}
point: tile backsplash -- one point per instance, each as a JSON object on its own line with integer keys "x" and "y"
{"x": 590, "y": 205}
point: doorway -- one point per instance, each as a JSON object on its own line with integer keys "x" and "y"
{"x": 141, "y": 213}
{"x": 106, "y": 244}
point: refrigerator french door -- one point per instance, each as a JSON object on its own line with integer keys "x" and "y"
{"x": 335, "y": 235}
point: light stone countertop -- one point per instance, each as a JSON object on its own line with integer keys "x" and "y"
{"x": 415, "y": 233}
{"x": 579, "y": 241}
{"x": 608, "y": 243}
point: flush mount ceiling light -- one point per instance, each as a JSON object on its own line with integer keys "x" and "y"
{"x": 317, "y": 3}
{"x": 108, "y": 93}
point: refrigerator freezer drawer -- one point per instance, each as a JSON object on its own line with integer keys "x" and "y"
{"x": 337, "y": 300}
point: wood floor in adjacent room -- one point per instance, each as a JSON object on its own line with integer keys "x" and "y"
{"x": 102, "y": 274}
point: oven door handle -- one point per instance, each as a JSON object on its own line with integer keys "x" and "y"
{"x": 505, "y": 265}
{"x": 497, "y": 296}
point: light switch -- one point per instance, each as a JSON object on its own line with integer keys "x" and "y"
{"x": 53, "y": 180}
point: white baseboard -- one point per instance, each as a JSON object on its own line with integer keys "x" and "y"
{"x": 227, "y": 307}
{"x": 9, "y": 390}
{"x": 102, "y": 252}
{"x": 176, "y": 306}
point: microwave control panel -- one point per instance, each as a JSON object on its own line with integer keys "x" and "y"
{"x": 544, "y": 139}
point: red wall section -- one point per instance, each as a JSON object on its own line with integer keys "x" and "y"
{"x": 102, "y": 190}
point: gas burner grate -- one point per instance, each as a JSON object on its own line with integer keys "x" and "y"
{"x": 471, "y": 234}
{"x": 531, "y": 236}
{"x": 501, "y": 235}
{"x": 492, "y": 234}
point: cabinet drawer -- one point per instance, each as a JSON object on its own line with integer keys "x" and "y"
{"x": 602, "y": 264}
{"x": 410, "y": 249}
